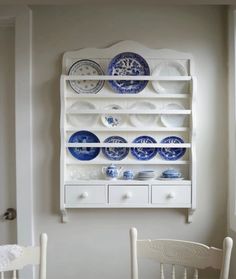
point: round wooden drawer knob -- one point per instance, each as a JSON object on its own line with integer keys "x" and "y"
{"x": 128, "y": 195}
{"x": 170, "y": 195}
{"x": 84, "y": 195}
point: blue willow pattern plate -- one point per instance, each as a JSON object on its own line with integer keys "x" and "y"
{"x": 84, "y": 153}
{"x": 115, "y": 153}
{"x": 144, "y": 153}
{"x": 173, "y": 153}
{"x": 89, "y": 68}
{"x": 128, "y": 64}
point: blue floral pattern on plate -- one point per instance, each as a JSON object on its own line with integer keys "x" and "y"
{"x": 84, "y": 153}
{"x": 144, "y": 153}
{"x": 115, "y": 153}
{"x": 128, "y": 64}
{"x": 173, "y": 153}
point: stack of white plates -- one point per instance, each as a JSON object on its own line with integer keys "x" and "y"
{"x": 146, "y": 175}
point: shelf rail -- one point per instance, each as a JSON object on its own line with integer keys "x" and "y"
{"x": 106, "y": 77}
{"x": 135, "y": 145}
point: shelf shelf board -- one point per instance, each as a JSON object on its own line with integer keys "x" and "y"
{"x": 115, "y": 77}
{"x": 141, "y": 95}
{"x": 97, "y": 161}
{"x": 126, "y": 111}
{"x": 128, "y": 129}
{"x": 98, "y": 182}
{"x": 128, "y": 145}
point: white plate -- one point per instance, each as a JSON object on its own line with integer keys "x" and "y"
{"x": 173, "y": 120}
{"x": 143, "y": 119}
{"x": 169, "y": 179}
{"x": 170, "y": 68}
{"x": 113, "y": 120}
{"x": 78, "y": 120}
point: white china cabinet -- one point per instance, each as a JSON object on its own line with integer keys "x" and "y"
{"x": 164, "y": 108}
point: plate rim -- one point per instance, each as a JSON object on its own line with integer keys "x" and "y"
{"x": 107, "y": 156}
{"x": 113, "y": 82}
{"x": 101, "y": 82}
{"x": 72, "y": 149}
{"x": 133, "y": 148}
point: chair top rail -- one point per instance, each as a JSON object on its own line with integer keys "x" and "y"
{"x": 30, "y": 256}
{"x": 178, "y": 252}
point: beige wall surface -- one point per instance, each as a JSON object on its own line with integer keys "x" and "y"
{"x": 95, "y": 244}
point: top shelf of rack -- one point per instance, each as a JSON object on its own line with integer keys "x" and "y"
{"x": 151, "y": 78}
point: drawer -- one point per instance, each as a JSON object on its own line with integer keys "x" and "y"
{"x": 128, "y": 194}
{"x": 171, "y": 195}
{"x": 85, "y": 194}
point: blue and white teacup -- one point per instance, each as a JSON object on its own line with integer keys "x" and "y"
{"x": 128, "y": 175}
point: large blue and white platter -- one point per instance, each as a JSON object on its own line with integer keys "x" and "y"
{"x": 144, "y": 153}
{"x": 84, "y": 153}
{"x": 90, "y": 68}
{"x": 115, "y": 153}
{"x": 128, "y": 64}
{"x": 172, "y": 153}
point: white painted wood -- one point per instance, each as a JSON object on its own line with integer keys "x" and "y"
{"x": 128, "y": 194}
{"x": 14, "y": 274}
{"x": 184, "y": 253}
{"x": 232, "y": 116}
{"x": 227, "y": 248}
{"x": 21, "y": 17}
{"x": 185, "y": 273}
{"x": 195, "y": 274}
{"x": 102, "y": 144}
{"x": 162, "y": 271}
{"x": 133, "y": 182}
{"x": 85, "y": 194}
{"x": 119, "y": 193}
{"x": 127, "y": 96}
{"x": 123, "y": 111}
{"x": 171, "y": 195}
{"x": 173, "y": 271}
{"x": 128, "y": 161}
{"x": 160, "y": 78}
{"x": 32, "y": 255}
{"x": 131, "y": 129}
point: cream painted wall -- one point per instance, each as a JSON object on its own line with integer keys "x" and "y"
{"x": 95, "y": 244}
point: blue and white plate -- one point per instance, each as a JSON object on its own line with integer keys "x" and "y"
{"x": 144, "y": 153}
{"x": 89, "y": 68}
{"x": 128, "y": 64}
{"x": 172, "y": 153}
{"x": 84, "y": 153}
{"x": 115, "y": 153}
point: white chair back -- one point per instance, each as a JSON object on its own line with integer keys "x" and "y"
{"x": 182, "y": 253}
{"x": 30, "y": 256}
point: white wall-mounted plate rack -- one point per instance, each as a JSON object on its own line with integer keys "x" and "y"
{"x": 82, "y": 184}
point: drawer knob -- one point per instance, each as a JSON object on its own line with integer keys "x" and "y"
{"x": 128, "y": 195}
{"x": 84, "y": 195}
{"x": 171, "y": 195}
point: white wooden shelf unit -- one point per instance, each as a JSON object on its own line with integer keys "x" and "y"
{"x": 82, "y": 184}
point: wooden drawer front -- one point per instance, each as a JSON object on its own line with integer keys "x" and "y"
{"x": 178, "y": 195}
{"x": 85, "y": 194}
{"x": 128, "y": 194}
